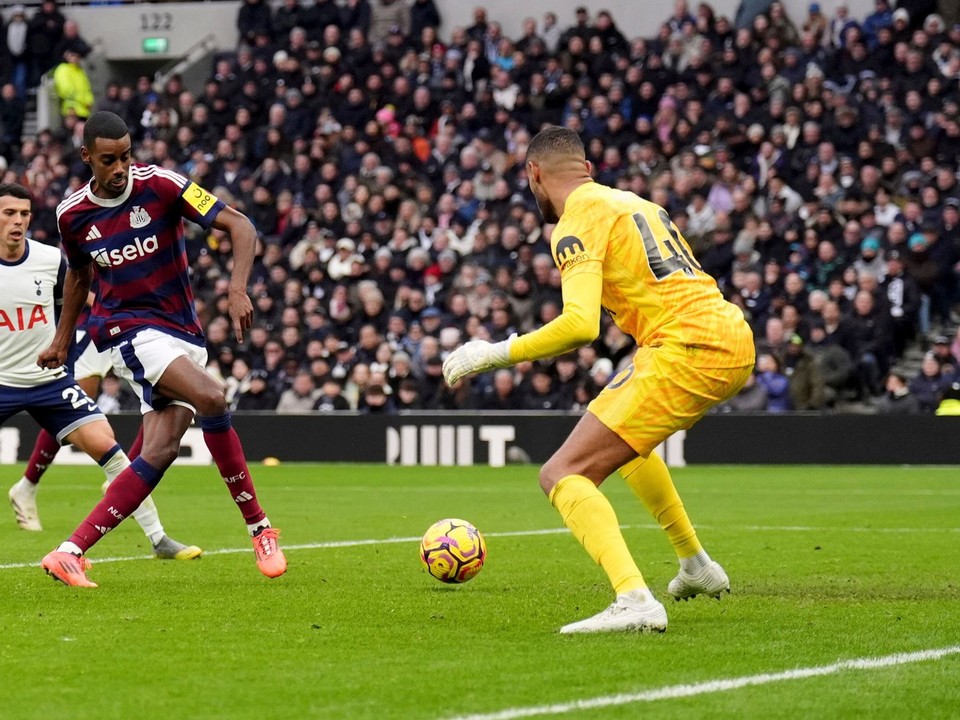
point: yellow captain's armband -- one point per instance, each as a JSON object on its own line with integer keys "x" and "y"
{"x": 199, "y": 199}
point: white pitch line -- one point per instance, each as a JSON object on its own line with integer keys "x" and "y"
{"x": 518, "y": 533}
{"x": 670, "y": 692}
{"x": 306, "y": 546}
{"x": 868, "y": 492}
{"x": 813, "y": 528}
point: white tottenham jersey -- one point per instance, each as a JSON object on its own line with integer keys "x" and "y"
{"x": 31, "y": 291}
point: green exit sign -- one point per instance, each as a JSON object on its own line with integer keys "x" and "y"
{"x": 155, "y": 45}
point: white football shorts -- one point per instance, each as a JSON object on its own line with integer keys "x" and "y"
{"x": 142, "y": 360}
{"x": 91, "y": 362}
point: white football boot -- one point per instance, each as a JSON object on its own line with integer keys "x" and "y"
{"x": 635, "y": 611}
{"x": 710, "y": 580}
{"x": 23, "y": 500}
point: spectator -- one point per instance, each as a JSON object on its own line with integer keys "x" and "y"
{"x": 115, "y": 397}
{"x": 45, "y": 31}
{"x": 376, "y": 401}
{"x": 940, "y": 347}
{"x": 950, "y": 405}
{"x": 903, "y": 299}
{"x": 408, "y": 395}
{"x": 898, "y": 399}
{"x": 840, "y": 25}
{"x": 12, "y": 115}
{"x": 928, "y": 385}
{"x": 300, "y": 397}
{"x": 389, "y": 17}
{"x": 871, "y": 341}
{"x": 253, "y": 19}
{"x": 16, "y": 42}
{"x": 423, "y": 14}
{"x": 814, "y": 160}
{"x": 286, "y": 17}
{"x": 926, "y": 271}
{"x": 72, "y": 41}
{"x": 882, "y": 17}
{"x": 803, "y": 371}
{"x": 236, "y": 378}
{"x": 601, "y": 372}
{"x": 751, "y": 398}
{"x": 834, "y": 363}
{"x": 775, "y": 383}
{"x": 816, "y": 24}
{"x": 340, "y": 266}
{"x": 73, "y": 87}
{"x": 540, "y": 393}
{"x": 502, "y": 394}
{"x": 870, "y": 260}
{"x": 330, "y": 398}
{"x": 781, "y": 26}
{"x": 259, "y": 395}
{"x": 356, "y": 15}
{"x": 550, "y": 32}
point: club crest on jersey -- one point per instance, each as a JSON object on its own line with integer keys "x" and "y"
{"x": 569, "y": 252}
{"x": 38, "y": 283}
{"x": 139, "y": 217}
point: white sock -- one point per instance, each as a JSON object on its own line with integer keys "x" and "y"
{"x": 146, "y": 515}
{"x": 25, "y": 487}
{"x": 641, "y": 595}
{"x": 149, "y": 520}
{"x": 694, "y": 564}
{"x": 115, "y": 465}
{"x": 252, "y": 529}
{"x": 69, "y": 547}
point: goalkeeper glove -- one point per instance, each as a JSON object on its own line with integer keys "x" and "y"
{"x": 476, "y": 356}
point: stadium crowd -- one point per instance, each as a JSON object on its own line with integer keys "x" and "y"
{"x": 810, "y": 162}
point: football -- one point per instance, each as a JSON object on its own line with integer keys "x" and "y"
{"x": 453, "y": 550}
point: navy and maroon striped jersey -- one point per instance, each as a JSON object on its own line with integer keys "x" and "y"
{"x": 136, "y": 243}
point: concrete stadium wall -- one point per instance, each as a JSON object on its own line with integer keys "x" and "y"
{"x": 639, "y": 18}
{"x": 122, "y": 28}
{"x": 493, "y": 439}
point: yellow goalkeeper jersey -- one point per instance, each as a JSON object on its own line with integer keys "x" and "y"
{"x": 649, "y": 281}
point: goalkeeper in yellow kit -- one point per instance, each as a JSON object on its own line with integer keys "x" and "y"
{"x": 619, "y": 252}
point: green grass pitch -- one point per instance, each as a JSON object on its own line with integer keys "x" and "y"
{"x": 827, "y": 564}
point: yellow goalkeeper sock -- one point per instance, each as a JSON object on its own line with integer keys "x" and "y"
{"x": 651, "y": 482}
{"x": 591, "y": 519}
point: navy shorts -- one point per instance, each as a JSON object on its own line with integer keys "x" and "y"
{"x": 59, "y": 407}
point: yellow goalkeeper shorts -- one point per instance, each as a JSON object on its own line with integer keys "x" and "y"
{"x": 661, "y": 392}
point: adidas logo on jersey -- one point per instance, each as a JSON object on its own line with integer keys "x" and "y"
{"x": 134, "y": 251}
{"x": 93, "y": 234}
{"x": 243, "y": 497}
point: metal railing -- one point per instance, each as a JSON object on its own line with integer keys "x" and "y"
{"x": 196, "y": 52}
{"x": 48, "y": 102}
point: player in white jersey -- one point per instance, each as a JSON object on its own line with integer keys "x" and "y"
{"x": 89, "y": 366}
{"x": 31, "y": 275}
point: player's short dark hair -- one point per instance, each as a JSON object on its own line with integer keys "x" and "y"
{"x": 14, "y": 190}
{"x": 555, "y": 141}
{"x": 103, "y": 124}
